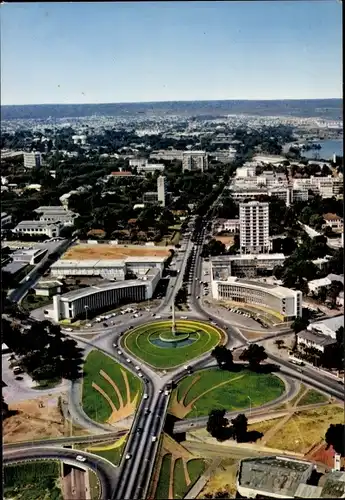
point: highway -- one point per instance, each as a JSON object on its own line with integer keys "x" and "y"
{"x": 131, "y": 479}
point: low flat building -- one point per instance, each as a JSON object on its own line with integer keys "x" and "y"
{"x": 5, "y": 219}
{"x": 333, "y": 221}
{"x": 284, "y": 301}
{"x": 315, "y": 286}
{"x": 245, "y": 265}
{"x": 34, "y": 227}
{"x": 328, "y": 326}
{"x": 56, "y": 214}
{"x": 45, "y": 288}
{"x": 272, "y": 477}
{"x": 310, "y": 338}
{"x": 77, "y": 303}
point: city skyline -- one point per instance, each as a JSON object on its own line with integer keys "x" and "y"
{"x": 150, "y": 52}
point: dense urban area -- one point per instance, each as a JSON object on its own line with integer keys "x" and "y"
{"x": 172, "y": 305}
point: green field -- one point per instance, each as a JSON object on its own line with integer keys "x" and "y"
{"x": 229, "y": 390}
{"x": 139, "y": 342}
{"x": 110, "y": 451}
{"x": 32, "y": 481}
{"x": 312, "y": 397}
{"x": 94, "y": 404}
{"x": 162, "y": 491}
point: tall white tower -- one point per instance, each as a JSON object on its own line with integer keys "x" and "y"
{"x": 254, "y": 227}
{"x": 161, "y": 189}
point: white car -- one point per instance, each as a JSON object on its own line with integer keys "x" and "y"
{"x": 88, "y": 325}
{"x": 166, "y": 393}
{"x": 154, "y": 438}
{"x": 128, "y": 360}
{"x": 114, "y": 344}
{"x": 128, "y": 456}
{"x": 183, "y": 317}
{"x": 158, "y": 317}
{"x": 140, "y": 375}
{"x": 119, "y": 352}
{"x": 80, "y": 458}
{"x": 68, "y": 329}
{"x": 146, "y": 396}
{"x": 137, "y": 368}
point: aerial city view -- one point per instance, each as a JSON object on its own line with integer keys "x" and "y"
{"x": 172, "y": 239}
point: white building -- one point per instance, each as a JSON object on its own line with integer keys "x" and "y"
{"x": 79, "y": 139}
{"x": 138, "y": 162}
{"x": 167, "y": 154}
{"x": 104, "y": 296}
{"x": 5, "y": 219}
{"x": 32, "y": 160}
{"x": 315, "y": 286}
{"x": 30, "y": 256}
{"x": 35, "y": 227}
{"x": 246, "y": 171}
{"x": 286, "y": 302}
{"x": 333, "y": 221}
{"x": 254, "y": 227}
{"x": 230, "y": 225}
{"x": 56, "y": 214}
{"x": 161, "y": 190}
{"x": 194, "y": 160}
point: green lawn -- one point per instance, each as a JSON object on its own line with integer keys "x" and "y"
{"x": 31, "y": 302}
{"x": 95, "y": 489}
{"x": 139, "y": 342}
{"x": 196, "y": 468}
{"x": 162, "y": 491}
{"x": 261, "y": 388}
{"x": 313, "y": 397}
{"x": 32, "y": 481}
{"x": 94, "y": 404}
{"x": 112, "y": 451}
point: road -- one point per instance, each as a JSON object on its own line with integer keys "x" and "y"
{"x": 105, "y": 471}
{"x": 132, "y": 477}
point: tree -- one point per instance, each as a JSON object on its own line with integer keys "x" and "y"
{"x": 335, "y": 436}
{"x": 254, "y": 354}
{"x": 223, "y": 356}
{"x": 299, "y": 324}
{"x": 239, "y": 427}
{"x": 217, "y": 424}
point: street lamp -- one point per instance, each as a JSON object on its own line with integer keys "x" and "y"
{"x": 250, "y": 406}
{"x": 86, "y": 307}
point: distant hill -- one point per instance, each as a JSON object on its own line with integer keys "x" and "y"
{"x": 324, "y": 108}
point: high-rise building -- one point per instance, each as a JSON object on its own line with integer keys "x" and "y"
{"x": 161, "y": 190}
{"x": 32, "y": 160}
{"x": 254, "y": 227}
{"x": 194, "y": 160}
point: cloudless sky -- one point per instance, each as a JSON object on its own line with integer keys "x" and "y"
{"x": 165, "y": 51}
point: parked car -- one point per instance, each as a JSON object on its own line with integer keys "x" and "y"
{"x": 80, "y": 458}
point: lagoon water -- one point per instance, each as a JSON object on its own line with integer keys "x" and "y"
{"x": 328, "y": 148}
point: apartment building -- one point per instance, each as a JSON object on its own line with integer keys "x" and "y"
{"x": 254, "y": 227}
{"x": 32, "y": 160}
{"x": 194, "y": 160}
{"x": 161, "y": 190}
{"x": 229, "y": 225}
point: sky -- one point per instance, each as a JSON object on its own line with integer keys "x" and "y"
{"x": 167, "y": 51}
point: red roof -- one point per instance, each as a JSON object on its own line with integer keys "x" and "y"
{"x": 123, "y": 174}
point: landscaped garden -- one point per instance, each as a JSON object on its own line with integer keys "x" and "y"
{"x": 206, "y": 390}
{"x": 110, "y": 392}
{"x": 111, "y": 451}
{"x": 27, "y": 481}
{"x": 157, "y": 345}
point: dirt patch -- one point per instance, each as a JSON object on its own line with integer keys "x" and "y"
{"x": 35, "y": 422}
{"x": 253, "y": 335}
{"x": 224, "y": 479}
{"x": 226, "y": 240}
{"x": 175, "y": 449}
{"x": 100, "y": 252}
{"x": 326, "y": 456}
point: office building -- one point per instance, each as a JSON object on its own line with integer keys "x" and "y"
{"x": 32, "y": 160}
{"x": 287, "y": 303}
{"x": 244, "y": 266}
{"x": 254, "y": 227}
{"x": 194, "y": 160}
{"x": 36, "y": 227}
{"x": 77, "y": 303}
{"x": 161, "y": 190}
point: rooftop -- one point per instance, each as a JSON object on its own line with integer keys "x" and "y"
{"x": 277, "y": 290}
{"x": 273, "y": 474}
{"x": 330, "y": 216}
{"x": 334, "y": 486}
{"x": 331, "y": 323}
{"x": 35, "y": 223}
{"x": 115, "y": 252}
{"x": 316, "y": 338}
{"x": 264, "y": 256}
{"x": 53, "y": 208}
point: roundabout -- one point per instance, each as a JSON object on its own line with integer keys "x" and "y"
{"x": 162, "y": 345}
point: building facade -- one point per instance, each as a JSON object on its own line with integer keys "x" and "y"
{"x": 78, "y": 303}
{"x": 254, "y": 227}
{"x": 5, "y": 219}
{"x": 194, "y": 160}
{"x": 34, "y": 227}
{"x": 161, "y": 190}
{"x": 32, "y": 160}
{"x": 286, "y": 302}
{"x": 244, "y": 266}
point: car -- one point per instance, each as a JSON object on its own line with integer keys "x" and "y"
{"x": 140, "y": 375}
{"x": 128, "y": 360}
{"x": 160, "y": 391}
{"x": 158, "y": 317}
{"x": 19, "y": 378}
{"x": 198, "y": 296}
{"x": 107, "y": 317}
{"x": 183, "y": 317}
{"x": 128, "y": 456}
{"x": 139, "y": 430}
{"x": 80, "y": 458}
{"x": 166, "y": 393}
{"x": 114, "y": 344}
{"x": 146, "y": 396}
{"x": 105, "y": 325}
{"x": 88, "y": 325}
{"x": 154, "y": 438}
{"x": 137, "y": 368}
{"x": 130, "y": 328}
{"x": 119, "y": 352}
{"x": 68, "y": 329}
{"x": 147, "y": 411}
